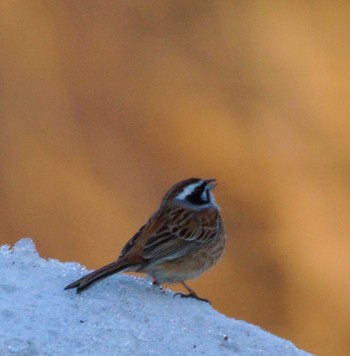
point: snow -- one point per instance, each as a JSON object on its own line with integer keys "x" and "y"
{"x": 122, "y": 315}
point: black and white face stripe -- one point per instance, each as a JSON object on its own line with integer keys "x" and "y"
{"x": 197, "y": 194}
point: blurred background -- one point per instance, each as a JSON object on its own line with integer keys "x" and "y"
{"x": 106, "y": 104}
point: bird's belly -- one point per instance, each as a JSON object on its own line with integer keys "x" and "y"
{"x": 186, "y": 267}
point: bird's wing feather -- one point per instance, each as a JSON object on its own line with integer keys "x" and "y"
{"x": 172, "y": 240}
{"x": 131, "y": 243}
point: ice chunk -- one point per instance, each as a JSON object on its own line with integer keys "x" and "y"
{"x": 122, "y": 315}
{"x": 25, "y": 246}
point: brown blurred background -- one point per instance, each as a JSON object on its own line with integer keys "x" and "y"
{"x": 106, "y": 104}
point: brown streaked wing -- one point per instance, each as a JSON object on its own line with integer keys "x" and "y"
{"x": 167, "y": 247}
{"x": 131, "y": 242}
{"x": 135, "y": 245}
{"x": 174, "y": 241}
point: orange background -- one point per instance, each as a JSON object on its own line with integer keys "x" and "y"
{"x": 106, "y": 104}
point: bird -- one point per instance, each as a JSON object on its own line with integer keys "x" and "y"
{"x": 180, "y": 241}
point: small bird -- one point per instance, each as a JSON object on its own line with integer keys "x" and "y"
{"x": 180, "y": 241}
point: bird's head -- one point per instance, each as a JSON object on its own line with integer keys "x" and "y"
{"x": 193, "y": 193}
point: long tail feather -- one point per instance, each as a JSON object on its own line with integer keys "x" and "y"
{"x": 95, "y": 276}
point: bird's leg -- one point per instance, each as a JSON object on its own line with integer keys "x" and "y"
{"x": 191, "y": 294}
{"x": 157, "y": 284}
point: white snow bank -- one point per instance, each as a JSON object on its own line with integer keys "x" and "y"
{"x": 122, "y": 315}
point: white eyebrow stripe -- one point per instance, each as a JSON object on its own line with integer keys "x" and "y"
{"x": 188, "y": 190}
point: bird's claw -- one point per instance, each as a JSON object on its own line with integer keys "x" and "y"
{"x": 192, "y": 295}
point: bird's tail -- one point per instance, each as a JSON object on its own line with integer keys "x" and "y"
{"x": 101, "y": 273}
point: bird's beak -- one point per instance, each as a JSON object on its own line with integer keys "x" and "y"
{"x": 211, "y": 183}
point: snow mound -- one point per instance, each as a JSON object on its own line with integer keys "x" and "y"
{"x": 122, "y": 315}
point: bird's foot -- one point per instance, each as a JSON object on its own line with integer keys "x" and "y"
{"x": 192, "y": 295}
{"x": 157, "y": 284}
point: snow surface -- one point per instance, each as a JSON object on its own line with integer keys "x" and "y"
{"x": 122, "y": 315}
